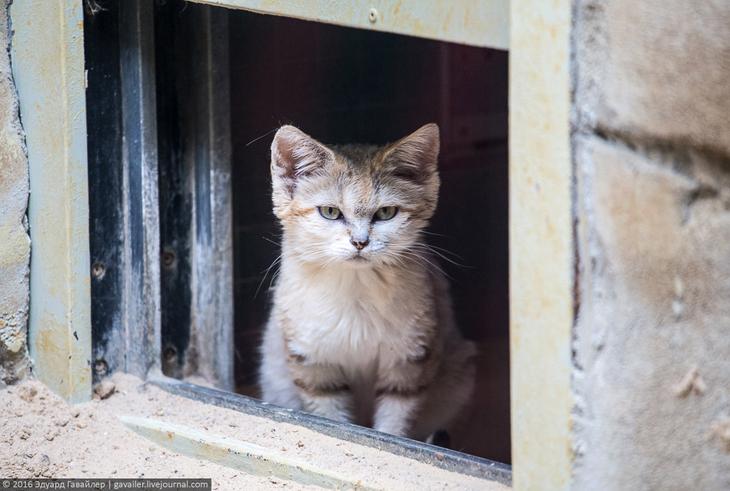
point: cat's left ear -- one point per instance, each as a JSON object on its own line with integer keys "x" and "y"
{"x": 415, "y": 157}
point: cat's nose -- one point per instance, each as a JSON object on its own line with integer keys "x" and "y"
{"x": 359, "y": 244}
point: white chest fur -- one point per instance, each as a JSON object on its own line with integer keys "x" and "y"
{"x": 354, "y": 318}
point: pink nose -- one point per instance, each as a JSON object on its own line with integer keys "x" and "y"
{"x": 359, "y": 244}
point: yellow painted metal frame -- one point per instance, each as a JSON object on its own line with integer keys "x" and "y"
{"x": 482, "y": 23}
{"x": 541, "y": 244}
{"x": 48, "y": 68}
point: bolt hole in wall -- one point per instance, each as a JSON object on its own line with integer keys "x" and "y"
{"x": 340, "y": 85}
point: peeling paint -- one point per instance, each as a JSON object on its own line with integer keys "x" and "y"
{"x": 541, "y": 245}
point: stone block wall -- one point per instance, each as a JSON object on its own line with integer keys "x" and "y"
{"x": 14, "y": 240}
{"x": 651, "y": 150}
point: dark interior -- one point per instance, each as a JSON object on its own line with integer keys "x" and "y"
{"x": 345, "y": 85}
{"x": 338, "y": 84}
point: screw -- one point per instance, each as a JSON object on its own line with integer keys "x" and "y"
{"x": 98, "y": 270}
{"x": 101, "y": 367}
{"x": 170, "y": 354}
{"x": 168, "y": 258}
{"x": 373, "y": 16}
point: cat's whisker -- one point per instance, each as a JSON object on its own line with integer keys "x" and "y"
{"x": 267, "y": 239}
{"x": 442, "y": 249}
{"x": 262, "y": 136}
{"x": 433, "y": 264}
{"x": 425, "y": 261}
{"x": 428, "y": 248}
{"x": 396, "y": 259}
{"x": 274, "y": 277}
{"x": 433, "y": 233}
{"x": 430, "y": 266}
{"x": 273, "y": 263}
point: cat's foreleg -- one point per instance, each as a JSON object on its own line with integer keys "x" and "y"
{"x": 323, "y": 390}
{"x": 400, "y": 393}
{"x": 395, "y": 412}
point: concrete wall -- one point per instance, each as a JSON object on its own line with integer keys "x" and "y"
{"x": 651, "y": 150}
{"x": 14, "y": 241}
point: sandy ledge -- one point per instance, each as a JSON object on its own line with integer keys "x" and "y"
{"x": 42, "y": 436}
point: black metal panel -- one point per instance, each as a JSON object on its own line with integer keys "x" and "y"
{"x": 174, "y": 271}
{"x": 195, "y": 191}
{"x": 122, "y": 187}
{"x": 440, "y": 457}
{"x": 139, "y": 124}
{"x": 176, "y": 208}
{"x": 104, "y": 125}
{"x": 210, "y": 149}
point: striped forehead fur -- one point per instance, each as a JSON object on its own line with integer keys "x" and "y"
{"x": 406, "y": 168}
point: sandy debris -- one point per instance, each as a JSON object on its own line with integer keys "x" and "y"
{"x": 104, "y": 389}
{"x": 42, "y": 436}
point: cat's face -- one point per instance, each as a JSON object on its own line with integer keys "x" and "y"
{"x": 354, "y": 205}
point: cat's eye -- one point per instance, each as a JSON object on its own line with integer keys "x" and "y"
{"x": 330, "y": 212}
{"x": 386, "y": 213}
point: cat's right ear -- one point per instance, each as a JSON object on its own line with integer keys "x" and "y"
{"x": 294, "y": 155}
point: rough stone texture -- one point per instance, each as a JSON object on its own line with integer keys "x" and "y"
{"x": 653, "y": 336}
{"x": 14, "y": 241}
{"x": 657, "y": 68}
{"x": 652, "y": 163}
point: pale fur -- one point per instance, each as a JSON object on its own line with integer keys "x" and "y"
{"x": 371, "y": 341}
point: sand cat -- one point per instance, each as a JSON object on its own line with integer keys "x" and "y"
{"x": 361, "y": 327}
